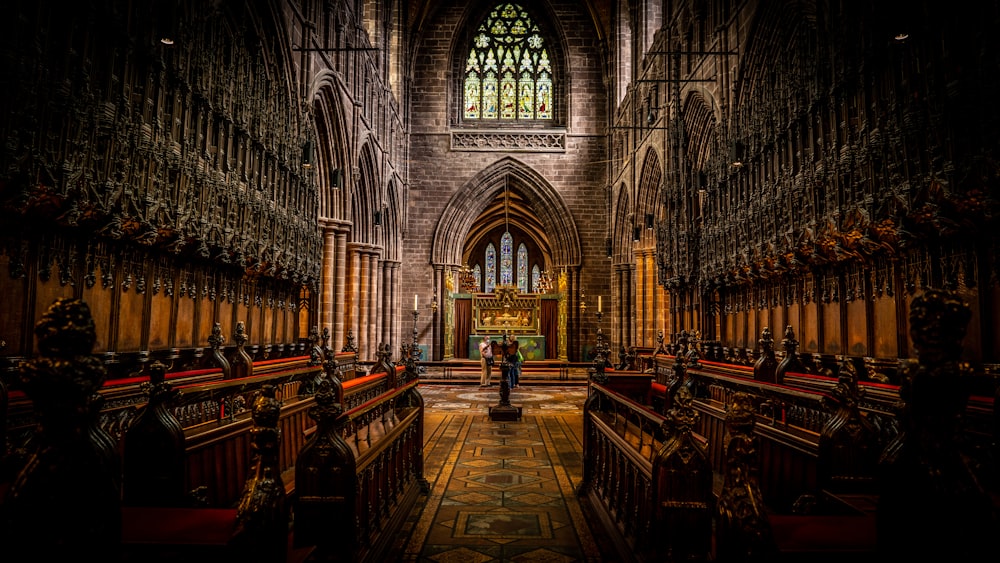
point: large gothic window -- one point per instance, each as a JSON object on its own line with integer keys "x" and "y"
{"x": 508, "y": 74}
{"x": 536, "y": 277}
{"x": 491, "y": 268}
{"x": 522, "y": 268}
{"x": 506, "y": 259}
{"x": 477, "y": 274}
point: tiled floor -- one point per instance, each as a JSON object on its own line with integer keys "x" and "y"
{"x": 501, "y": 491}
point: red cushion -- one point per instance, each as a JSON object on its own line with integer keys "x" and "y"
{"x": 177, "y": 526}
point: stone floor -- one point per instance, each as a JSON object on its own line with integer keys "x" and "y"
{"x": 501, "y": 491}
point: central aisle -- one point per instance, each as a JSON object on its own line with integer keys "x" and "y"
{"x": 501, "y": 491}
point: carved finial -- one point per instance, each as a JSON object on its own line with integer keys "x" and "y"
{"x": 350, "y": 346}
{"x": 67, "y": 499}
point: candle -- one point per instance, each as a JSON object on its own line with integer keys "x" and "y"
{"x": 599, "y": 304}
{"x": 414, "y": 301}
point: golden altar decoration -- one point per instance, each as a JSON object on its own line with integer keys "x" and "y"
{"x": 505, "y": 311}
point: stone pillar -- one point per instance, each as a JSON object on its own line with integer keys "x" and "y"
{"x": 341, "y": 276}
{"x": 327, "y": 277}
{"x": 353, "y": 311}
{"x": 374, "y": 283}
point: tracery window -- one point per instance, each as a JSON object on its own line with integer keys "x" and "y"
{"x": 506, "y": 259}
{"x": 536, "y": 276}
{"x": 508, "y": 74}
{"x": 491, "y": 268}
{"x": 477, "y": 274}
{"x": 522, "y": 268}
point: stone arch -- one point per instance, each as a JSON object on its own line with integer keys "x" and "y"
{"x": 621, "y": 228}
{"x": 647, "y": 195}
{"x": 366, "y": 197}
{"x": 331, "y": 153}
{"x": 468, "y": 202}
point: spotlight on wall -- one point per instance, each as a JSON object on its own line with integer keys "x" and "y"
{"x": 307, "y": 155}
{"x": 377, "y": 217}
{"x": 636, "y": 234}
{"x": 337, "y": 178}
{"x": 166, "y": 41}
{"x": 607, "y": 246}
{"x": 903, "y": 36}
{"x": 649, "y": 220}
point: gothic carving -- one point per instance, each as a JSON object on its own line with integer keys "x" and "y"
{"x": 262, "y": 513}
{"x": 508, "y": 141}
{"x": 742, "y": 529}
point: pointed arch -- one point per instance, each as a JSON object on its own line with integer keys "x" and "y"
{"x": 332, "y": 152}
{"x": 468, "y": 202}
{"x": 621, "y": 227}
{"x": 647, "y": 195}
{"x": 366, "y": 198}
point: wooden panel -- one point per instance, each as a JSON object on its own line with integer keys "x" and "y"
{"x": 753, "y": 330}
{"x": 12, "y": 311}
{"x": 130, "y": 320}
{"x": 886, "y": 335}
{"x": 98, "y": 299}
{"x": 159, "y": 321}
{"x": 857, "y": 328}
{"x": 831, "y": 328}
{"x": 740, "y": 329}
{"x": 972, "y": 346}
{"x": 206, "y": 315}
{"x": 224, "y": 316}
{"x": 267, "y": 333}
{"x": 184, "y": 331}
{"x": 794, "y": 319}
{"x": 809, "y": 328}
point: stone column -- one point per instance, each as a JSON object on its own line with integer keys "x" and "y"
{"x": 354, "y": 295}
{"x": 341, "y": 276}
{"x": 374, "y": 283}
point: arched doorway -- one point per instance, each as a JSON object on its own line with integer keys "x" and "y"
{"x": 508, "y": 197}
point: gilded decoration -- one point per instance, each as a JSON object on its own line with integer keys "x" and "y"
{"x": 505, "y": 311}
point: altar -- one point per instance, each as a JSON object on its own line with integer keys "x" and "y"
{"x": 532, "y": 346}
{"x": 537, "y": 320}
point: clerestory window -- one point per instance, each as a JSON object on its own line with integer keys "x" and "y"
{"x": 508, "y": 74}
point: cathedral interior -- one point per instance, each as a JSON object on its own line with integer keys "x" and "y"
{"x": 758, "y": 235}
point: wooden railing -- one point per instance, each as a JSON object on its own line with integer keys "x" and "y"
{"x": 361, "y": 471}
{"x": 647, "y": 475}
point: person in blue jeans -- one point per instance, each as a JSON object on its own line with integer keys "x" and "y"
{"x": 516, "y": 359}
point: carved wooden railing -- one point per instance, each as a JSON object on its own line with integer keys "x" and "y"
{"x": 362, "y": 469}
{"x": 621, "y": 438}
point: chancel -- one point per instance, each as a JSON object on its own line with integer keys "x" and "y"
{"x": 737, "y": 263}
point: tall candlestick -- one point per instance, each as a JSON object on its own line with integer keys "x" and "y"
{"x": 414, "y": 301}
{"x": 599, "y": 310}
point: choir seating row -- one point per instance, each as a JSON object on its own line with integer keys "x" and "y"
{"x": 689, "y": 459}
{"x": 305, "y": 457}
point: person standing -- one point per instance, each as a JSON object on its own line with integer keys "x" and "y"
{"x": 516, "y": 359}
{"x": 485, "y": 361}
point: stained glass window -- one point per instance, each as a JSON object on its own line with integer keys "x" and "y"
{"x": 477, "y": 274}
{"x": 536, "y": 276}
{"x": 491, "y": 268}
{"x": 506, "y": 259}
{"x": 508, "y": 74}
{"x": 522, "y": 268}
